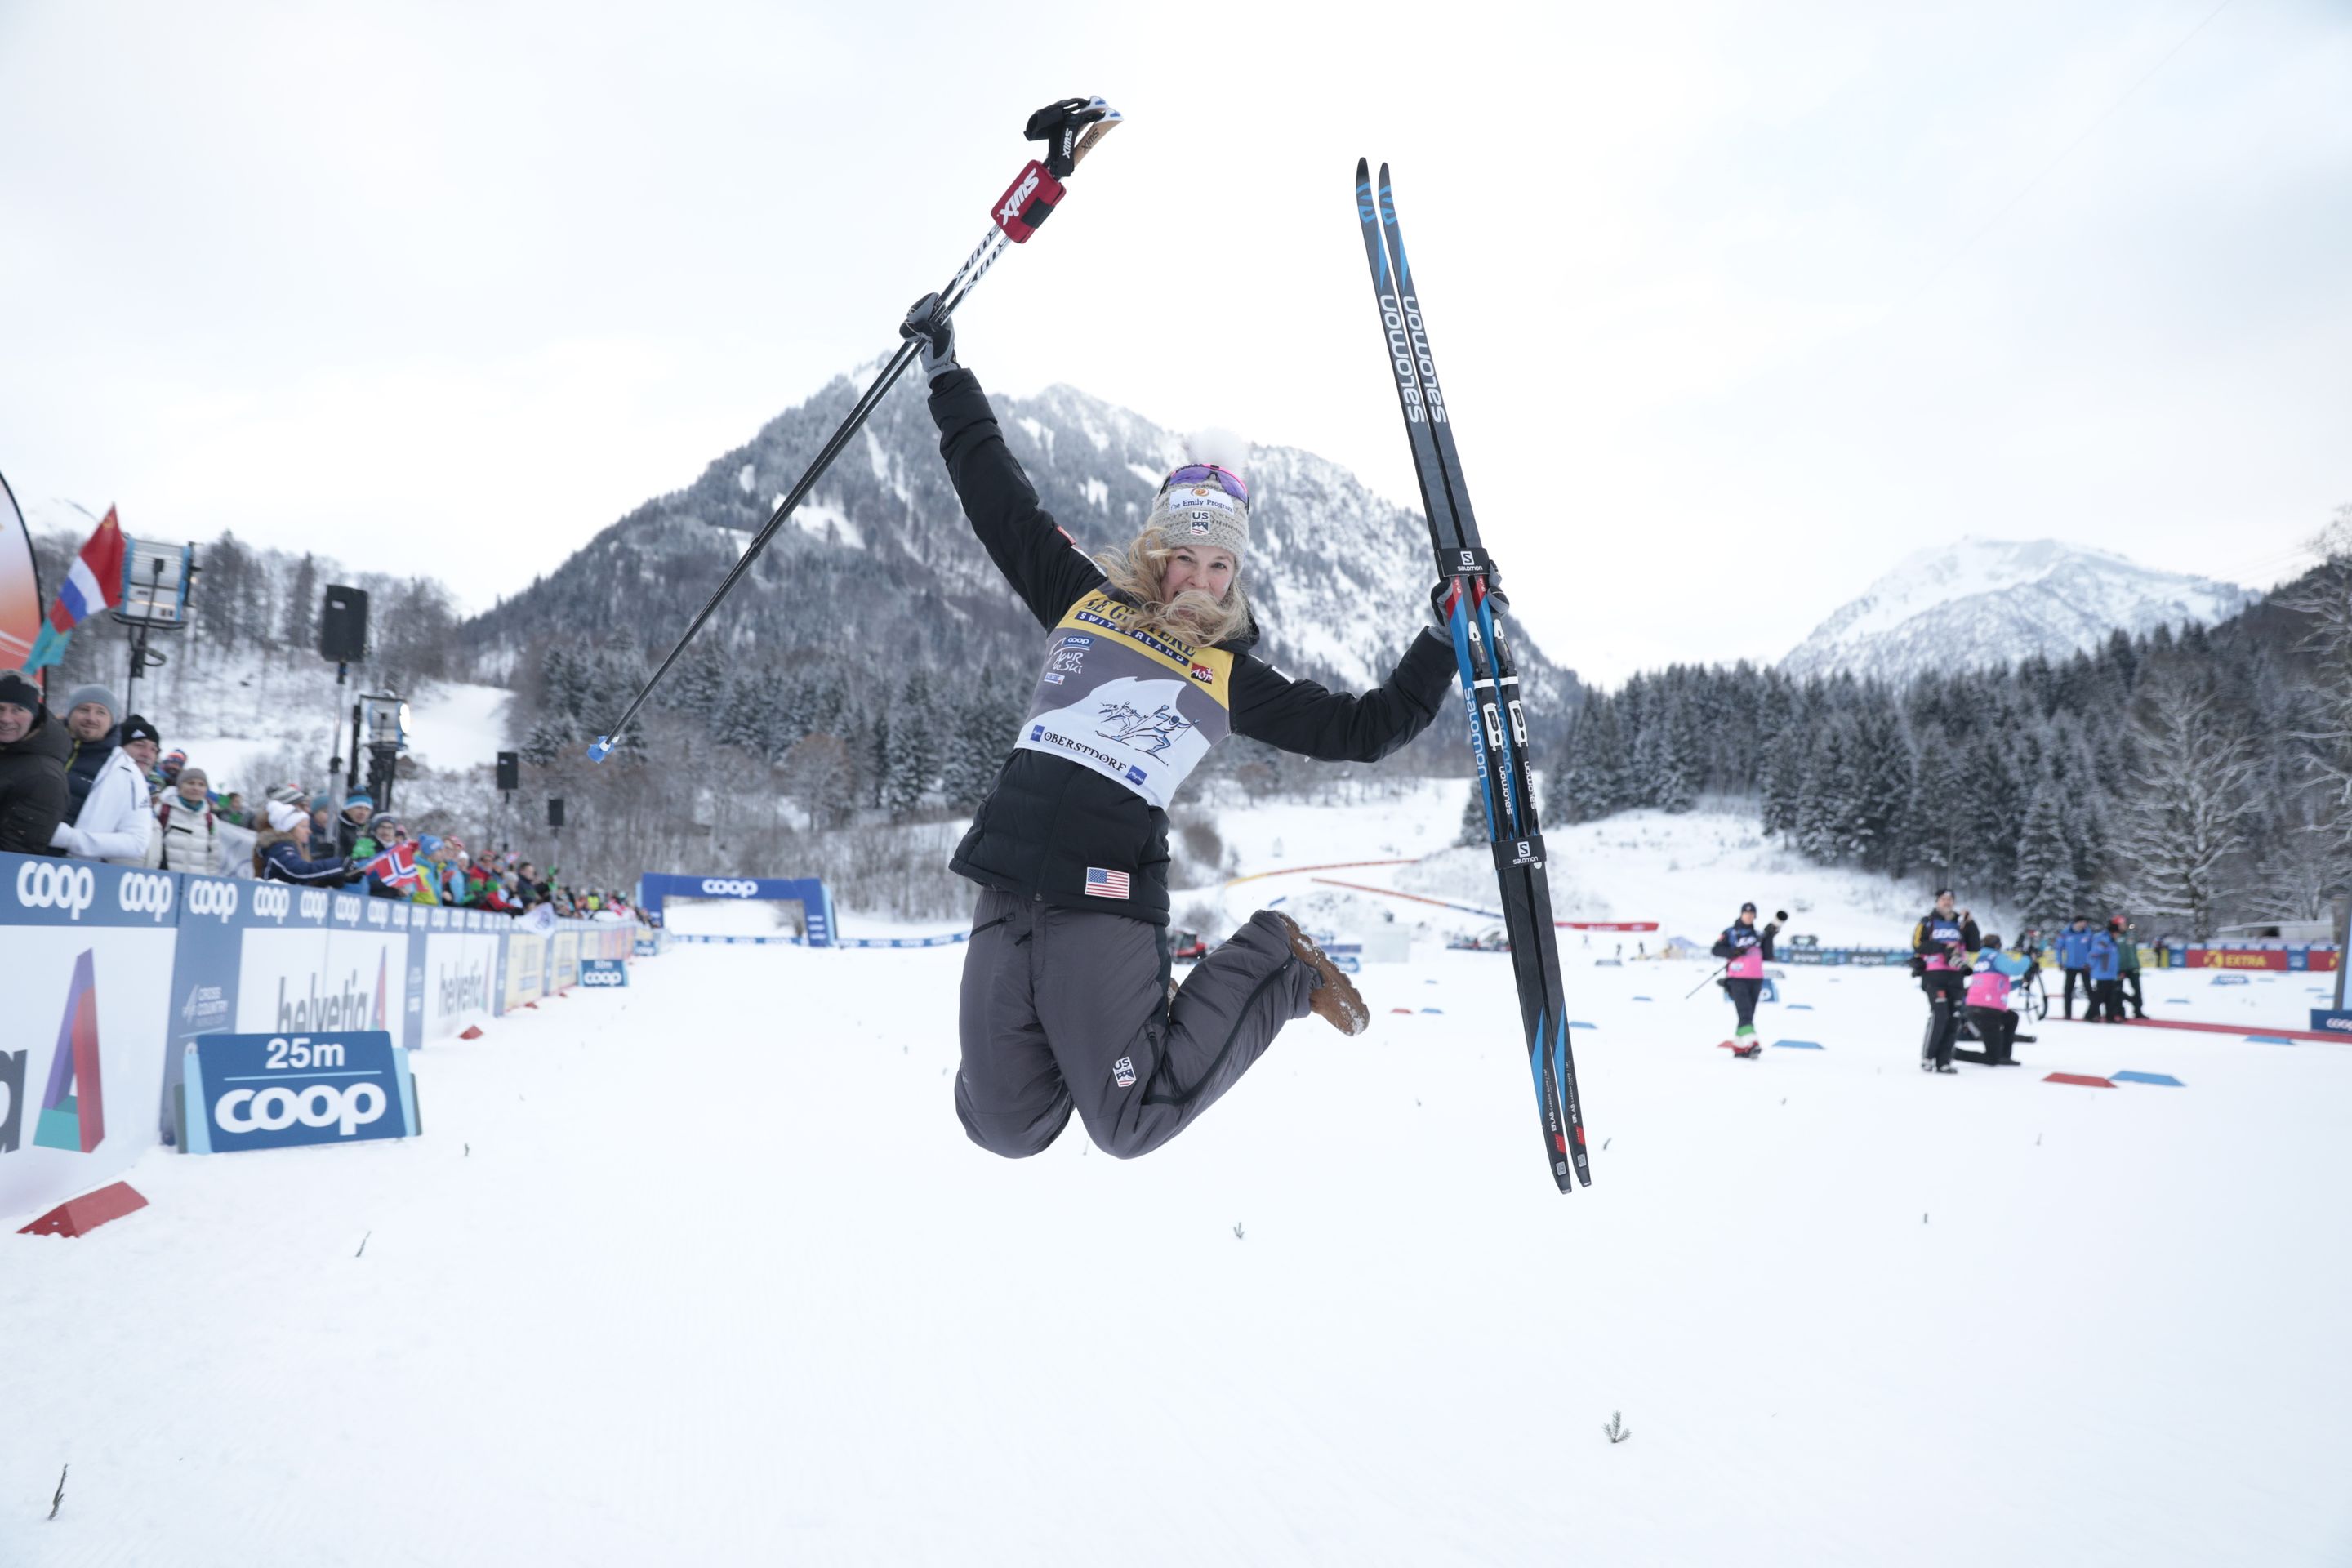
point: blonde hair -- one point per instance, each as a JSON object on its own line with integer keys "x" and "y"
{"x": 1191, "y": 616}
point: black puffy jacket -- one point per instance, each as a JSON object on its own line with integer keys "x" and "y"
{"x": 33, "y": 796}
{"x": 1049, "y": 820}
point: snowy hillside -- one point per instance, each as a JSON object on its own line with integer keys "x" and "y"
{"x": 1962, "y": 606}
{"x": 703, "y": 1271}
{"x": 1339, "y": 574}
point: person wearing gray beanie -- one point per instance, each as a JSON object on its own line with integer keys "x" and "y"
{"x": 91, "y": 713}
{"x": 1147, "y": 664}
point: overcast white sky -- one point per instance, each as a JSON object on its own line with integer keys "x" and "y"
{"x": 1735, "y": 303}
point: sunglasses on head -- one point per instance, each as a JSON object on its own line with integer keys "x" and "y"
{"x": 1209, "y": 474}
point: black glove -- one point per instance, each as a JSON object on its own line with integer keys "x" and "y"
{"x": 936, "y": 332}
{"x": 1438, "y": 596}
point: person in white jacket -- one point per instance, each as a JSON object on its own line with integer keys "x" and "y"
{"x": 187, "y": 838}
{"x": 115, "y": 823}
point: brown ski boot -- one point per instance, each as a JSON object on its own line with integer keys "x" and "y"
{"x": 1336, "y": 1000}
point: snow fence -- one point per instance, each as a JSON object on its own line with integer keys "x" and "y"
{"x": 111, "y": 970}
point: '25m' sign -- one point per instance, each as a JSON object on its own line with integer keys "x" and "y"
{"x": 273, "y": 1091}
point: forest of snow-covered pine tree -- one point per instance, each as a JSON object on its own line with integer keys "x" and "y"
{"x": 2192, "y": 779}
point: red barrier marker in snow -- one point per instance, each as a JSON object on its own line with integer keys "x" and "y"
{"x": 2241, "y": 1030}
{"x": 2078, "y": 1078}
{"x": 79, "y": 1216}
{"x": 470, "y": 1032}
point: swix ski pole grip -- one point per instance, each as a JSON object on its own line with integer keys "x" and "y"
{"x": 1027, "y": 201}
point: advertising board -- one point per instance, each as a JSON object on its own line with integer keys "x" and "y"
{"x": 279, "y": 1090}
{"x": 90, "y": 964}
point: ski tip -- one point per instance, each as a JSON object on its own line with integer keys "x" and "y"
{"x": 600, "y": 750}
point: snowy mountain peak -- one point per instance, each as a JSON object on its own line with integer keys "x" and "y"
{"x": 1983, "y": 601}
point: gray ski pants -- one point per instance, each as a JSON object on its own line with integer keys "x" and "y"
{"x": 1068, "y": 1008}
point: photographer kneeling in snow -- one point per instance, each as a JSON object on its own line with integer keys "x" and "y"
{"x": 1989, "y": 1014}
{"x": 1067, "y": 995}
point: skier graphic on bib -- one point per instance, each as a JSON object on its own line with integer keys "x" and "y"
{"x": 1156, "y": 728}
{"x": 1066, "y": 1002}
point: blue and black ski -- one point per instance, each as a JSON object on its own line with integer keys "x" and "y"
{"x": 1490, "y": 685}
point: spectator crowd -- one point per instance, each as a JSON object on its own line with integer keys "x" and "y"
{"x": 94, "y": 783}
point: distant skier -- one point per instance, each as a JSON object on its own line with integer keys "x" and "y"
{"x": 1989, "y": 980}
{"x": 2074, "y": 958}
{"x": 2127, "y": 957}
{"x": 1067, "y": 997}
{"x": 1939, "y": 946}
{"x": 2104, "y": 952}
{"x": 1747, "y": 951}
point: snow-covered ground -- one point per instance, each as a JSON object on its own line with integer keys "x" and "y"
{"x": 705, "y": 1272}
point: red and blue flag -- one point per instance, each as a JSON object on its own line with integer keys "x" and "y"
{"x": 395, "y": 867}
{"x": 92, "y": 583}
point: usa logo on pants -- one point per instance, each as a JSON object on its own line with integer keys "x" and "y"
{"x": 1122, "y": 1072}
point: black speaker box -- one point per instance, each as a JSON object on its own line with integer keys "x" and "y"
{"x": 343, "y": 625}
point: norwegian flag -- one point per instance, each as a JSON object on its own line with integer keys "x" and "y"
{"x": 395, "y": 867}
{"x": 93, "y": 584}
{"x": 1104, "y": 884}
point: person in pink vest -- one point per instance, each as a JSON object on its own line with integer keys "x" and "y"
{"x": 1745, "y": 951}
{"x": 1989, "y": 1014}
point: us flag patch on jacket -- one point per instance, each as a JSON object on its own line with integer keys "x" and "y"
{"x": 1105, "y": 884}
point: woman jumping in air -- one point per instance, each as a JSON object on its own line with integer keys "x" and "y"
{"x": 1146, "y": 665}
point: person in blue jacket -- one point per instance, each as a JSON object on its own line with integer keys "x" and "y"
{"x": 282, "y": 856}
{"x": 2105, "y": 961}
{"x": 2074, "y": 958}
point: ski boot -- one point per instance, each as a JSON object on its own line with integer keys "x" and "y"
{"x": 1336, "y": 1000}
{"x": 1747, "y": 1045}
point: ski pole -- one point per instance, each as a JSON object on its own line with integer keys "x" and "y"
{"x": 1026, "y": 203}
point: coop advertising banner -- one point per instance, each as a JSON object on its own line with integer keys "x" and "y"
{"x": 114, "y": 970}
{"x": 279, "y": 1090}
